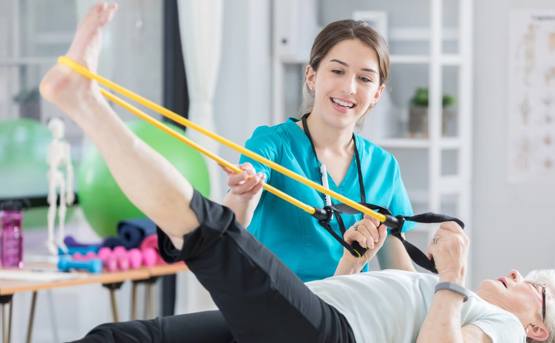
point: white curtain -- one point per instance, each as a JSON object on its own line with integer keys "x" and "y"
{"x": 200, "y": 25}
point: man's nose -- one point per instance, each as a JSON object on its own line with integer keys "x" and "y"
{"x": 515, "y": 275}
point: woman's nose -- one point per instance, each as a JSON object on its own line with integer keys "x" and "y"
{"x": 350, "y": 85}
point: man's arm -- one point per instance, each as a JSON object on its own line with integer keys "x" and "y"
{"x": 443, "y": 322}
{"x": 449, "y": 248}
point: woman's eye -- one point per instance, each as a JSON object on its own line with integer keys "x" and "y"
{"x": 365, "y": 79}
{"x": 337, "y": 71}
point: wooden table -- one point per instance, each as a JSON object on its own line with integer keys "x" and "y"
{"x": 111, "y": 280}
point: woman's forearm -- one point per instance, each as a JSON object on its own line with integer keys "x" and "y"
{"x": 243, "y": 208}
{"x": 347, "y": 267}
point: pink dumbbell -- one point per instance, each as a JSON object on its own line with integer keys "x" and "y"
{"x": 151, "y": 242}
{"x": 108, "y": 259}
{"x": 121, "y": 256}
{"x": 135, "y": 258}
{"x": 149, "y": 257}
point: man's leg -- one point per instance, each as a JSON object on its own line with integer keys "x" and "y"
{"x": 205, "y": 327}
{"x": 148, "y": 180}
{"x": 260, "y": 298}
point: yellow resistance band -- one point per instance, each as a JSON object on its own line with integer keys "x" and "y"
{"x": 185, "y": 122}
{"x": 197, "y": 147}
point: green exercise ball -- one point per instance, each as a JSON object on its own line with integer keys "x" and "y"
{"x": 101, "y": 199}
{"x": 23, "y": 166}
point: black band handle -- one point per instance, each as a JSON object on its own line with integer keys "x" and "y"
{"x": 358, "y": 250}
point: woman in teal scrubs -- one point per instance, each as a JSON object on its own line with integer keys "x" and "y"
{"x": 345, "y": 78}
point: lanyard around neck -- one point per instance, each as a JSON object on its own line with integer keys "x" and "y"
{"x": 323, "y": 175}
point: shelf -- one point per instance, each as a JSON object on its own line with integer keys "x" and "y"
{"x": 412, "y": 34}
{"x": 6, "y": 62}
{"x": 410, "y": 59}
{"x": 451, "y": 59}
{"x": 447, "y": 59}
{"x": 49, "y": 38}
{"x": 294, "y": 59}
{"x": 406, "y": 143}
{"x": 416, "y": 143}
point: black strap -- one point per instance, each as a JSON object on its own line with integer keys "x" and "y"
{"x": 395, "y": 223}
{"x": 396, "y": 230}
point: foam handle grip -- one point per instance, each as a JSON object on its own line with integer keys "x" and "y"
{"x": 91, "y": 266}
{"x": 358, "y": 250}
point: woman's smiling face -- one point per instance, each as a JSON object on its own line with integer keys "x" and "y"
{"x": 346, "y": 84}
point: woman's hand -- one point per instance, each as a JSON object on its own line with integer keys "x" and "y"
{"x": 246, "y": 184}
{"x": 370, "y": 235}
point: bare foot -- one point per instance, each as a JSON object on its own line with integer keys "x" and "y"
{"x": 61, "y": 85}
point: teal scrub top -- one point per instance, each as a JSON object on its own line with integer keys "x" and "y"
{"x": 293, "y": 235}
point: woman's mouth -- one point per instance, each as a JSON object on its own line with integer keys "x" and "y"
{"x": 342, "y": 105}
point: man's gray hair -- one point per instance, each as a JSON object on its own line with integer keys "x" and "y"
{"x": 546, "y": 277}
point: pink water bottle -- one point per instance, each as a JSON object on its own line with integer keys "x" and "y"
{"x": 11, "y": 240}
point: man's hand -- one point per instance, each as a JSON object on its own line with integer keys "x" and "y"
{"x": 449, "y": 249}
{"x": 246, "y": 184}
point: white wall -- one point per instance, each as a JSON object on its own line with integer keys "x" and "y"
{"x": 513, "y": 223}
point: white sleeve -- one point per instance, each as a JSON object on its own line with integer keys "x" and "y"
{"x": 501, "y": 328}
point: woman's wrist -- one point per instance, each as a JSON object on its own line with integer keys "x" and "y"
{"x": 349, "y": 264}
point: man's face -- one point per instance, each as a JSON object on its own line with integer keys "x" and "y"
{"x": 516, "y": 295}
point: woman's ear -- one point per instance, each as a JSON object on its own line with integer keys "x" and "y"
{"x": 378, "y": 94}
{"x": 310, "y": 78}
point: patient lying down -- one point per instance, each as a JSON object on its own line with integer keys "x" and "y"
{"x": 259, "y": 297}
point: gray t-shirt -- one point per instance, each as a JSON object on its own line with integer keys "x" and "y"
{"x": 391, "y": 305}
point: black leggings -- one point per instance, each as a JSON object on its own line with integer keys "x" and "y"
{"x": 260, "y": 298}
{"x": 206, "y": 327}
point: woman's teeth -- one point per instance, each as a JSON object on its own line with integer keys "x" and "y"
{"x": 342, "y": 103}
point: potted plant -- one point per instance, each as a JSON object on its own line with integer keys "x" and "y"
{"x": 29, "y": 103}
{"x": 418, "y": 114}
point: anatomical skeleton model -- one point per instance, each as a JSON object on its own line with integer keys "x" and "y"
{"x": 59, "y": 157}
